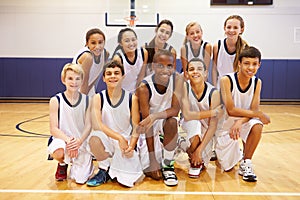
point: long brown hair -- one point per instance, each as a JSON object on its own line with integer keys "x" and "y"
{"x": 240, "y": 43}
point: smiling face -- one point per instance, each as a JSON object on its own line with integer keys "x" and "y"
{"x": 248, "y": 66}
{"x": 163, "y": 69}
{"x": 96, "y": 43}
{"x": 163, "y": 33}
{"x": 112, "y": 76}
{"x": 233, "y": 28}
{"x": 196, "y": 72}
{"x": 194, "y": 34}
{"x": 129, "y": 41}
{"x": 72, "y": 80}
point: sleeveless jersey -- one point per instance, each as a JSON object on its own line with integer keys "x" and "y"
{"x": 96, "y": 69}
{"x": 71, "y": 118}
{"x": 132, "y": 69}
{"x": 242, "y": 99}
{"x": 201, "y": 104}
{"x": 190, "y": 54}
{"x": 159, "y": 102}
{"x": 225, "y": 59}
{"x": 117, "y": 116}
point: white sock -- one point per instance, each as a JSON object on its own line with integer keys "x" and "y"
{"x": 62, "y": 164}
{"x": 104, "y": 164}
{"x": 169, "y": 155}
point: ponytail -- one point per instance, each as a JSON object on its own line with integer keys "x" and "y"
{"x": 239, "y": 46}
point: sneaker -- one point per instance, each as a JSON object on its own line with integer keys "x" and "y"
{"x": 61, "y": 172}
{"x": 214, "y": 156}
{"x": 195, "y": 170}
{"x": 100, "y": 178}
{"x": 246, "y": 170}
{"x": 168, "y": 173}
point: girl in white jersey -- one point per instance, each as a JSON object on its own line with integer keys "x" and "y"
{"x": 133, "y": 59}
{"x": 226, "y": 52}
{"x": 70, "y": 126}
{"x": 163, "y": 32}
{"x": 92, "y": 59}
{"x": 195, "y": 47}
{"x": 201, "y": 108}
{"x": 243, "y": 119}
{"x": 114, "y": 139}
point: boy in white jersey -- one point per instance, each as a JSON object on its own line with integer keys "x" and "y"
{"x": 113, "y": 142}
{"x": 241, "y": 96}
{"x": 201, "y": 109}
{"x": 70, "y": 125}
{"x": 159, "y": 106}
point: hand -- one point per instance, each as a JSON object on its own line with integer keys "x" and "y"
{"x": 219, "y": 111}
{"x": 265, "y": 119}
{"x": 235, "y": 130}
{"x": 145, "y": 124}
{"x": 72, "y": 153}
{"x": 196, "y": 157}
{"x": 123, "y": 144}
{"x": 73, "y": 144}
{"x": 128, "y": 153}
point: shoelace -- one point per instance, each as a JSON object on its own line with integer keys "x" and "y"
{"x": 170, "y": 175}
{"x": 249, "y": 170}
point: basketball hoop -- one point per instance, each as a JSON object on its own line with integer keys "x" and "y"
{"x": 131, "y": 21}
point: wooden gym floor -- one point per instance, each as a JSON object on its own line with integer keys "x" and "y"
{"x": 25, "y": 172}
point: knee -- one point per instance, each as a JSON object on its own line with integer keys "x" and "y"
{"x": 172, "y": 123}
{"x": 59, "y": 154}
{"x": 94, "y": 141}
{"x": 257, "y": 130}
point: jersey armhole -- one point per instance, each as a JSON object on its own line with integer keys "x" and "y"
{"x": 142, "y": 51}
{"x": 210, "y": 95}
{"x": 58, "y": 99}
{"x": 102, "y": 101}
{"x": 204, "y": 45}
{"x": 255, "y": 83}
{"x": 148, "y": 87}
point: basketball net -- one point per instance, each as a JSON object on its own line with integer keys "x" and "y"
{"x": 131, "y": 21}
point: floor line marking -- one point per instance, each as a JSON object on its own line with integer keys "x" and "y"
{"x": 153, "y": 192}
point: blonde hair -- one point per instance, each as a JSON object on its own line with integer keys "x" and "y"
{"x": 187, "y": 29}
{"x": 240, "y": 43}
{"x": 72, "y": 67}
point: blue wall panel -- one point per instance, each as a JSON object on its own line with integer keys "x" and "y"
{"x": 40, "y": 78}
{"x": 265, "y": 73}
{"x": 279, "y": 79}
{"x": 293, "y": 80}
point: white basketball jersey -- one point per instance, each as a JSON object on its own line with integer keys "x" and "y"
{"x": 132, "y": 69}
{"x": 201, "y": 104}
{"x": 225, "y": 59}
{"x": 96, "y": 69}
{"x": 117, "y": 117}
{"x": 72, "y": 117}
{"x": 242, "y": 99}
{"x": 191, "y": 54}
{"x": 160, "y": 102}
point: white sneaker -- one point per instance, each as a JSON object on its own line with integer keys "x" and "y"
{"x": 246, "y": 170}
{"x": 168, "y": 173}
{"x": 169, "y": 176}
{"x": 194, "y": 171}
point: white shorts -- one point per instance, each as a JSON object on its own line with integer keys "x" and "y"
{"x": 228, "y": 150}
{"x": 82, "y": 167}
{"x": 126, "y": 170}
{"x": 194, "y": 128}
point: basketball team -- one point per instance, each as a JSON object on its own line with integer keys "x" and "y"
{"x": 129, "y": 129}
